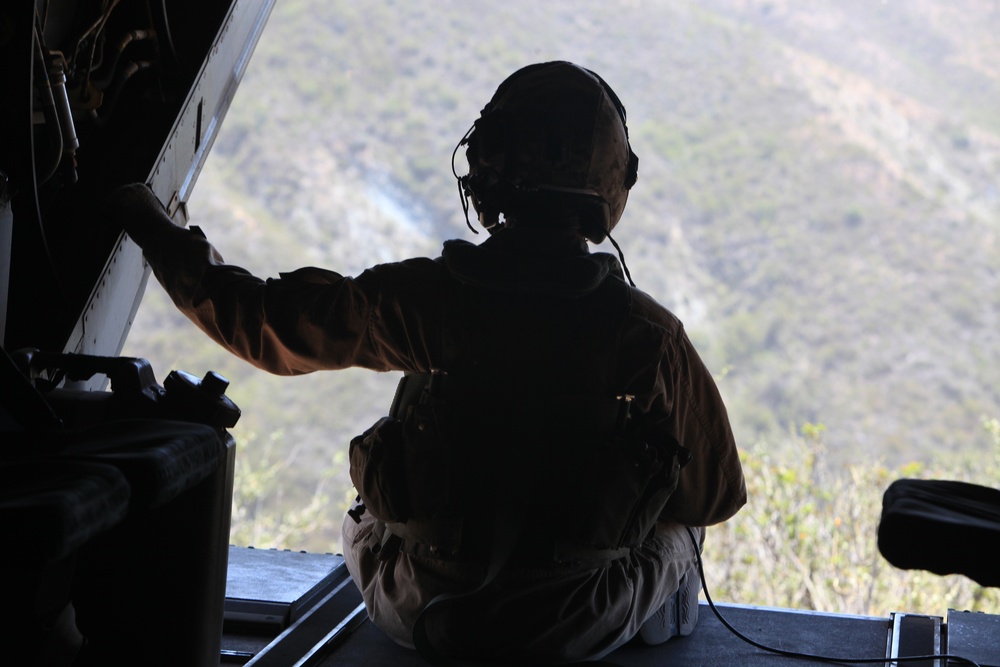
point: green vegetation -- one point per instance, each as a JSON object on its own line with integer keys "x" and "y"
{"x": 817, "y": 200}
{"x": 807, "y": 538}
{"x": 269, "y": 511}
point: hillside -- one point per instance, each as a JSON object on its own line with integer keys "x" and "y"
{"x": 818, "y": 200}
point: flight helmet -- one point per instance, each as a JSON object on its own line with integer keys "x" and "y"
{"x": 553, "y": 137}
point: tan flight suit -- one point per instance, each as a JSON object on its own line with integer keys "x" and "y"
{"x": 390, "y": 318}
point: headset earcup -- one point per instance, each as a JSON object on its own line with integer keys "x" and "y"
{"x": 632, "y": 171}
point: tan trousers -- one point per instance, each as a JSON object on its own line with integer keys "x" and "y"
{"x": 552, "y": 614}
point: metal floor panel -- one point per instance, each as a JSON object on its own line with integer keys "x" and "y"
{"x": 976, "y": 636}
{"x": 333, "y": 631}
{"x": 710, "y": 645}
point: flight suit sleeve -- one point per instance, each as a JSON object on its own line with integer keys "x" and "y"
{"x": 307, "y": 320}
{"x": 712, "y": 487}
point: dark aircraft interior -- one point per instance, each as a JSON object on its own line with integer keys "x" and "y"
{"x": 116, "y": 483}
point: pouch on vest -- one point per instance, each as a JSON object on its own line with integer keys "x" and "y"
{"x": 377, "y": 469}
{"x": 657, "y": 466}
{"x": 608, "y": 493}
{"x": 402, "y": 466}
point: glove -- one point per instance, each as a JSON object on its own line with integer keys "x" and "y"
{"x": 135, "y": 209}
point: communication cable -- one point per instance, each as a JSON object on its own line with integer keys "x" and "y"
{"x": 809, "y": 656}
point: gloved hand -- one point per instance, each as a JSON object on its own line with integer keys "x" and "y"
{"x": 135, "y": 209}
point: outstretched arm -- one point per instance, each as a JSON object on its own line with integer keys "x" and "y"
{"x": 307, "y": 320}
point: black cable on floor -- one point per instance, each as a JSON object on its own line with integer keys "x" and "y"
{"x": 809, "y": 656}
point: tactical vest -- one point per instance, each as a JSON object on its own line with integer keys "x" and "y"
{"x": 522, "y": 419}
